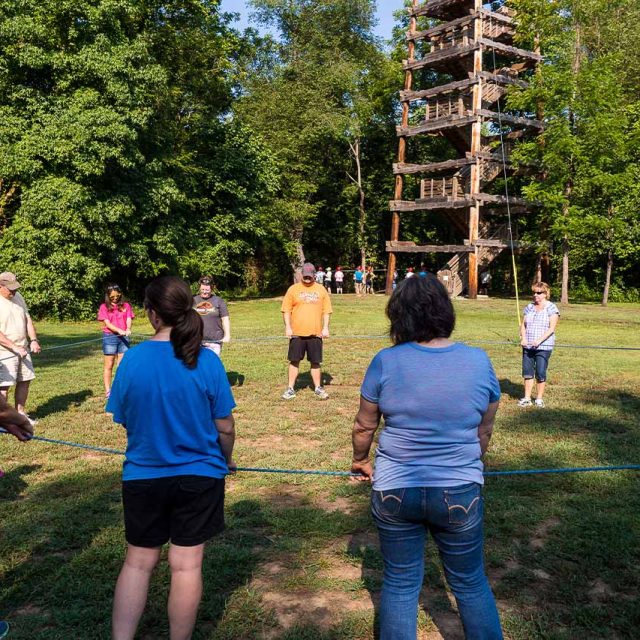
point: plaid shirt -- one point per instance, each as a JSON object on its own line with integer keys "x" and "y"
{"x": 537, "y": 323}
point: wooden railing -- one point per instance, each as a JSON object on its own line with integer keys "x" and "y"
{"x": 453, "y": 104}
{"x": 493, "y": 29}
{"x": 442, "y": 188}
{"x": 456, "y": 36}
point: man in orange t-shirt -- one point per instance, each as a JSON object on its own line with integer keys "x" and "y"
{"x": 306, "y": 309}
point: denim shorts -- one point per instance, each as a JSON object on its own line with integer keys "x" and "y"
{"x": 535, "y": 363}
{"x": 113, "y": 345}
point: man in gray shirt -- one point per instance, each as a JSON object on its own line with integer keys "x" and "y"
{"x": 215, "y": 316}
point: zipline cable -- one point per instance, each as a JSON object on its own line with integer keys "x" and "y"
{"x": 348, "y": 474}
{"x": 506, "y": 189}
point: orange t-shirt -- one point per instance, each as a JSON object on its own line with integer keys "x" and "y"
{"x": 306, "y": 305}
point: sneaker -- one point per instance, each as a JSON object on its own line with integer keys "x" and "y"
{"x": 4, "y": 629}
{"x": 321, "y": 393}
{"x": 539, "y": 402}
{"x": 289, "y": 394}
{"x": 525, "y": 402}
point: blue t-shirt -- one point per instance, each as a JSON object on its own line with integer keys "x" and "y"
{"x": 432, "y": 401}
{"x": 168, "y": 411}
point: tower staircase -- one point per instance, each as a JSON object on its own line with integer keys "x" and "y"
{"x": 470, "y": 48}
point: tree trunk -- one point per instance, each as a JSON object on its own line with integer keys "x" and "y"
{"x": 607, "y": 279}
{"x": 545, "y": 268}
{"x": 362, "y": 221}
{"x": 299, "y": 259}
{"x": 538, "y": 276}
{"x": 564, "y": 296}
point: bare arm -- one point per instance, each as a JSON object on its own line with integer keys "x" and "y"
{"x": 485, "y": 429}
{"x": 286, "y": 315}
{"x": 226, "y": 327}
{"x": 364, "y": 428}
{"x": 33, "y": 336}
{"x": 325, "y": 325}
{"x": 15, "y": 423}
{"x": 112, "y": 327}
{"x": 227, "y": 432}
{"x": 523, "y": 333}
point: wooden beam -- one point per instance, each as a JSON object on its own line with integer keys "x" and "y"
{"x": 435, "y": 8}
{"x": 514, "y": 51}
{"x": 443, "y": 55}
{"x": 441, "y": 28}
{"x": 411, "y": 247}
{"x": 497, "y": 16}
{"x": 505, "y": 117}
{"x": 435, "y": 125}
{"x": 410, "y": 96}
{"x": 433, "y": 167}
{"x": 429, "y": 204}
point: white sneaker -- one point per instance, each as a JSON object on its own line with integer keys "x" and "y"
{"x": 539, "y": 402}
{"x": 524, "y": 402}
{"x": 289, "y": 394}
{"x": 321, "y": 393}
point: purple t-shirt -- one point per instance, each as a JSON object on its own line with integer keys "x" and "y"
{"x": 117, "y": 317}
{"x": 432, "y": 401}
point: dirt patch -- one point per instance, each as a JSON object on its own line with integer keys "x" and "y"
{"x": 541, "y": 574}
{"x": 600, "y": 591}
{"x": 283, "y": 444}
{"x": 542, "y": 531}
{"x": 315, "y": 608}
{"x": 499, "y": 573}
{"x": 32, "y": 610}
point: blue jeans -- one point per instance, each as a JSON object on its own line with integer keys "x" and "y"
{"x": 454, "y": 516}
{"x": 535, "y": 363}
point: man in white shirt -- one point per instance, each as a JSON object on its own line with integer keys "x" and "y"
{"x": 17, "y": 340}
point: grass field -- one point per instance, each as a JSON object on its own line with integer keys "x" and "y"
{"x": 299, "y": 560}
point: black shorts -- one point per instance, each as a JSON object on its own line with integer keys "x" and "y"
{"x": 310, "y": 345}
{"x": 188, "y": 510}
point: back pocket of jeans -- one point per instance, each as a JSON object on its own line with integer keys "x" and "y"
{"x": 463, "y": 504}
{"x": 389, "y": 501}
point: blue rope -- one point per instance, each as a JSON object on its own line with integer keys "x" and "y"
{"x": 517, "y": 472}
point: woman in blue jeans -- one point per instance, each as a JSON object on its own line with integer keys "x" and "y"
{"x": 439, "y": 400}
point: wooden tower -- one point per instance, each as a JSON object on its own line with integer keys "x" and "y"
{"x": 470, "y": 51}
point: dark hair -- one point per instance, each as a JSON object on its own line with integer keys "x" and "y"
{"x": 114, "y": 287}
{"x": 170, "y": 297}
{"x": 420, "y": 310}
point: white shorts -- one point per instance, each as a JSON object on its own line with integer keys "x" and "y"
{"x": 216, "y": 347}
{"x": 14, "y": 369}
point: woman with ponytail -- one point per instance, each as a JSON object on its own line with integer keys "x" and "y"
{"x": 173, "y": 398}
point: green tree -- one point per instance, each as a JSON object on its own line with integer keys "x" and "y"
{"x": 116, "y": 160}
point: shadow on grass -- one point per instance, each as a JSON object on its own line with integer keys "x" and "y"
{"x": 235, "y": 379}
{"x": 12, "y": 483}
{"x": 304, "y": 380}
{"x": 513, "y": 389}
{"x": 61, "y": 403}
{"x": 563, "y": 550}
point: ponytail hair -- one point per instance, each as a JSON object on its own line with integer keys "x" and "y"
{"x": 170, "y": 297}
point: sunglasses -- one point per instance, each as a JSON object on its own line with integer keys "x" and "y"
{"x": 114, "y": 288}
{"x": 205, "y": 281}
{"x": 539, "y": 293}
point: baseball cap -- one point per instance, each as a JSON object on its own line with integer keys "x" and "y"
{"x": 308, "y": 270}
{"x": 9, "y": 280}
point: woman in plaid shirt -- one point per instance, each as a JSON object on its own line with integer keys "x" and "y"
{"x": 537, "y": 337}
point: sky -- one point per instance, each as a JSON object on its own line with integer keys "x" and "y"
{"x": 385, "y": 14}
